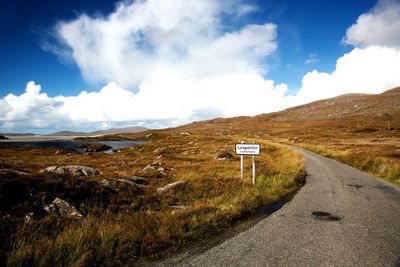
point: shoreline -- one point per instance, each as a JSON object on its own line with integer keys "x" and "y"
{"x": 41, "y": 138}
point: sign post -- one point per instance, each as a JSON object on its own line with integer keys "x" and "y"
{"x": 248, "y": 149}
{"x": 241, "y": 164}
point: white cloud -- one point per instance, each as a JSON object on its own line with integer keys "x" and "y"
{"x": 183, "y": 66}
{"x": 223, "y": 96}
{"x": 380, "y": 26}
{"x": 186, "y": 37}
{"x": 364, "y": 70}
{"x": 371, "y": 67}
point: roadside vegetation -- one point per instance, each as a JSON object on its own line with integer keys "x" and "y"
{"x": 125, "y": 217}
{"x": 386, "y": 167}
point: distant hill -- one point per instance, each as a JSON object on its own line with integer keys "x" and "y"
{"x": 18, "y": 134}
{"x": 338, "y": 115}
{"x": 132, "y": 129}
{"x": 349, "y": 106}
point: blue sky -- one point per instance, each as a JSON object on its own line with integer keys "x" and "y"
{"x": 80, "y": 52}
{"x": 305, "y": 28}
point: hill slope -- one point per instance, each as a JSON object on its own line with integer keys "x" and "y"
{"x": 385, "y": 105}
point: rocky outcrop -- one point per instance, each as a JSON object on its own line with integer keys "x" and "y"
{"x": 67, "y": 210}
{"x": 139, "y": 180}
{"x": 153, "y": 170}
{"x": 2, "y": 137}
{"x": 12, "y": 171}
{"x": 97, "y": 148}
{"x": 121, "y": 184}
{"x": 75, "y": 170}
{"x": 93, "y": 147}
{"x": 224, "y": 156}
{"x": 67, "y": 151}
{"x": 51, "y": 209}
{"x": 180, "y": 185}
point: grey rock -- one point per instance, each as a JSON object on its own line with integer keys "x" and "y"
{"x": 224, "y": 156}
{"x": 29, "y": 217}
{"x": 66, "y": 209}
{"x": 180, "y": 185}
{"x": 72, "y": 169}
{"x": 11, "y": 171}
{"x": 51, "y": 209}
{"x": 139, "y": 180}
{"x": 153, "y": 170}
{"x": 125, "y": 181}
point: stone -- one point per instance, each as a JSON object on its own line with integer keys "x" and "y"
{"x": 124, "y": 181}
{"x": 11, "y": 171}
{"x": 159, "y": 150}
{"x": 180, "y": 185}
{"x": 97, "y": 148}
{"x": 67, "y": 210}
{"x": 155, "y": 170}
{"x": 107, "y": 184}
{"x": 67, "y": 151}
{"x": 51, "y": 209}
{"x": 29, "y": 217}
{"x": 224, "y": 156}
{"x": 75, "y": 170}
{"x": 139, "y": 180}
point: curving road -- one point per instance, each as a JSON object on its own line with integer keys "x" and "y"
{"x": 341, "y": 217}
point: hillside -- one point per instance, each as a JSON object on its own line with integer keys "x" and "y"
{"x": 132, "y": 129}
{"x": 349, "y": 106}
{"x": 328, "y": 118}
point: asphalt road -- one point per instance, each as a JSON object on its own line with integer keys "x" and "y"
{"x": 341, "y": 217}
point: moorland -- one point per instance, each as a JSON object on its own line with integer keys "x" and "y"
{"x": 182, "y": 184}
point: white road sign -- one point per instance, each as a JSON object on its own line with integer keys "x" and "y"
{"x": 248, "y": 149}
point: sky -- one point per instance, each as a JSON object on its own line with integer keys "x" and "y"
{"x": 89, "y": 65}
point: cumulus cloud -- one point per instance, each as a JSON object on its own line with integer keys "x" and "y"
{"x": 371, "y": 67}
{"x": 363, "y": 70}
{"x": 380, "y": 26}
{"x": 112, "y": 105}
{"x": 169, "y": 62}
{"x": 143, "y": 38}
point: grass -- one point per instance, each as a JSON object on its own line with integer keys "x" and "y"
{"x": 383, "y": 167}
{"x": 122, "y": 226}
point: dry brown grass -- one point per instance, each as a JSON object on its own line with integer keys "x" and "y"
{"x": 121, "y": 227}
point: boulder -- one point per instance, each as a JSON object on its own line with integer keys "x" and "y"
{"x": 124, "y": 181}
{"x": 121, "y": 184}
{"x": 155, "y": 170}
{"x": 51, "y": 209}
{"x": 224, "y": 156}
{"x": 2, "y": 137}
{"x": 139, "y": 180}
{"x": 97, "y": 148}
{"x": 67, "y": 151}
{"x": 67, "y": 210}
{"x": 12, "y": 171}
{"x": 75, "y": 170}
{"x": 180, "y": 185}
{"x": 29, "y": 217}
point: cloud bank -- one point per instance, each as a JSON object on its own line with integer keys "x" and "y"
{"x": 168, "y": 62}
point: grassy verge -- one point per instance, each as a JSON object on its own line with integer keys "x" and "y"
{"x": 383, "y": 167}
{"x": 123, "y": 225}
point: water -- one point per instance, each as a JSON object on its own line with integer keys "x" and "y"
{"x": 62, "y": 144}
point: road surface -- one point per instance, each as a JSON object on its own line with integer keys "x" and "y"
{"x": 341, "y": 217}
